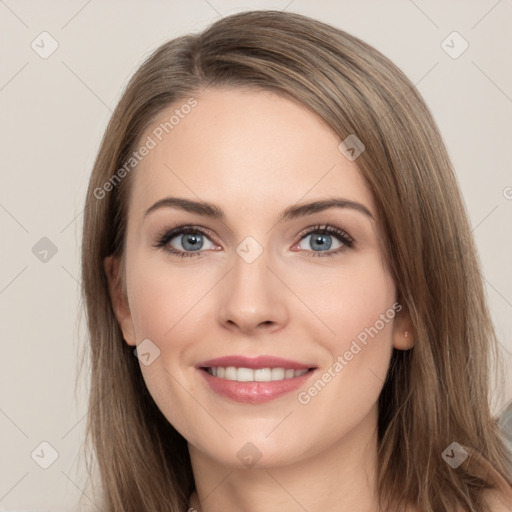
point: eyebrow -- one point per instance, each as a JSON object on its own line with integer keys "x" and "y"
{"x": 292, "y": 212}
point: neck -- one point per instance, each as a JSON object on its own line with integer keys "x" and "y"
{"x": 340, "y": 477}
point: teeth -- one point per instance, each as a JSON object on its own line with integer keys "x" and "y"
{"x": 230, "y": 373}
{"x": 263, "y": 375}
{"x": 258, "y": 375}
{"x": 278, "y": 373}
{"x": 244, "y": 375}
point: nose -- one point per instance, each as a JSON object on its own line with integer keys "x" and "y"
{"x": 252, "y": 298}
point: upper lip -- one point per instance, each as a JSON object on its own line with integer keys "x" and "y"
{"x": 263, "y": 361}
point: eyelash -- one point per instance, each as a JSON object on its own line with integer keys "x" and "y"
{"x": 164, "y": 238}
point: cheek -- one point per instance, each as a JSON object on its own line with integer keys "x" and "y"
{"x": 356, "y": 312}
{"x": 347, "y": 302}
{"x": 165, "y": 303}
{"x": 174, "y": 305}
{"x": 170, "y": 303}
{"x": 362, "y": 319}
{"x": 164, "y": 298}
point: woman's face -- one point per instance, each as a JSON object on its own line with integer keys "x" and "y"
{"x": 254, "y": 276}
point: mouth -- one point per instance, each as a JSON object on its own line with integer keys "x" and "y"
{"x": 254, "y": 380}
{"x": 242, "y": 374}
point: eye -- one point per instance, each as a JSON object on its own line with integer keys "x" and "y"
{"x": 192, "y": 241}
{"x": 321, "y": 241}
{"x": 191, "y": 238}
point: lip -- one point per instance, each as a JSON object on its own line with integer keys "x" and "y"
{"x": 254, "y": 392}
{"x": 263, "y": 361}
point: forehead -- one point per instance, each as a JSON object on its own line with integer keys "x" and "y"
{"x": 244, "y": 147}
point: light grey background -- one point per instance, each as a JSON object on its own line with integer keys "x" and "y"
{"x": 54, "y": 112}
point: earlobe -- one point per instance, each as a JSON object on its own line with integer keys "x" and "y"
{"x": 404, "y": 340}
{"x": 118, "y": 298}
{"x": 403, "y": 331}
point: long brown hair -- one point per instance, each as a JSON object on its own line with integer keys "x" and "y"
{"x": 435, "y": 394}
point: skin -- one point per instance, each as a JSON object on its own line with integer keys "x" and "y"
{"x": 254, "y": 153}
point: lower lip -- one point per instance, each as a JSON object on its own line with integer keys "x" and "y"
{"x": 254, "y": 392}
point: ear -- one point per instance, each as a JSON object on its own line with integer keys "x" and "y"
{"x": 403, "y": 330}
{"x": 118, "y": 298}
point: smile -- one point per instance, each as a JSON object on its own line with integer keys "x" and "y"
{"x": 254, "y": 386}
{"x": 254, "y": 375}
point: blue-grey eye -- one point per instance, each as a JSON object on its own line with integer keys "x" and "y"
{"x": 190, "y": 241}
{"x": 320, "y": 242}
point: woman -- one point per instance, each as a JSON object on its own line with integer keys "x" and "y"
{"x": 287, "y": 254}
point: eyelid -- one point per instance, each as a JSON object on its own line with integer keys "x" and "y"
{"x": 327, "y": 228}
{"x": 344, "y": 238}
{"x": 166, "y": 235}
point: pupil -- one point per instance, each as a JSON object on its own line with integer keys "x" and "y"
{"x": 192, "y": 241}
{"x": 321, "y": 241}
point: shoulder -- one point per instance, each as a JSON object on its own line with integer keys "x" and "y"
{"x": 497, "y": 501}
{"x": 494, "y": 501}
